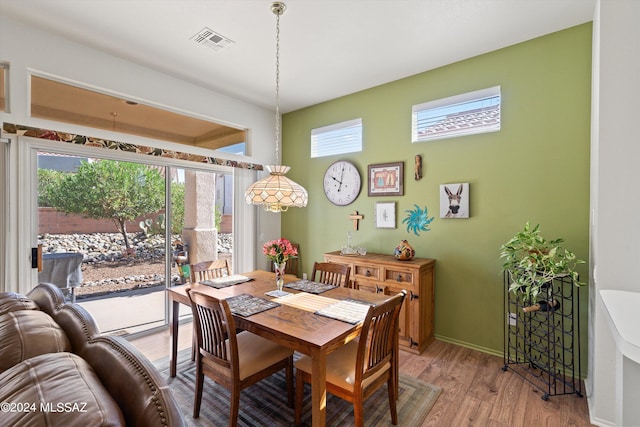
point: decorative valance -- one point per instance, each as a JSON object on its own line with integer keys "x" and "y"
{"x": 90, "y": 141}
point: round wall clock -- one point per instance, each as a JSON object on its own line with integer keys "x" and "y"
{"x": 342, "y": 183}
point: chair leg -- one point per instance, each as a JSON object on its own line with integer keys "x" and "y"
{"x": 358, "y": 411}
{"x": 198, "y": 396}
{"x": 234, "y": 407}
{"x": 391, "y": 390}
{"x": 290, "y": 390}
{"x": 299, "y": 396}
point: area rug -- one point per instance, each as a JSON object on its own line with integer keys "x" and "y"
{"x": 265, "y": 403}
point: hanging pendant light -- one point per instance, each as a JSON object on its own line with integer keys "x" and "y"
{"x": 276, "y": 193}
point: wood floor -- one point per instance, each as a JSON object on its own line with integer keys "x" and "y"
{"x": 475, "y": 390}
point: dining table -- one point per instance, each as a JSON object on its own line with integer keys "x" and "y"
{"x": 293, "y": 323}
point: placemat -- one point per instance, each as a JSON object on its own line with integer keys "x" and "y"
{"x": 350, "y": 311}
{"x": 223, "y": 282}
{"x": 305, "y": 301}
{"x": 246, "y": 305}
{"x": 309, "y": 286}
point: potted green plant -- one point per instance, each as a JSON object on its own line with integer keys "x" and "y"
{"x": 532, "y": 262}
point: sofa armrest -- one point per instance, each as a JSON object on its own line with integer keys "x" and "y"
{"x": 141, "y": 392}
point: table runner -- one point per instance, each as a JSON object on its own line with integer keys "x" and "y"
{"x": 305, "y": 301}
{"x": 246, "y": 305}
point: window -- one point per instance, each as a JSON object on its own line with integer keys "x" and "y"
{"x": 339, "y": 138}
{"x": 466, "y": 114}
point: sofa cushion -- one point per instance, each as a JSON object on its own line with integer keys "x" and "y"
{"x": 56, "y": 389}
{"x": 28, "y": 333}
{"x": 10, "y": 301}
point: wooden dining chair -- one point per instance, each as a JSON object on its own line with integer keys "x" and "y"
{"x": 208, "y": 270}
{"x": 331, "y": 273}
{"x": 233, "y": 360}
{"x": 357, "y": 369}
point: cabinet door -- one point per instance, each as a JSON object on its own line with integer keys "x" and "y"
{"x": 407, "y": 336}
{"x": 397, "y": 279}
{"x": 416, "y": 329}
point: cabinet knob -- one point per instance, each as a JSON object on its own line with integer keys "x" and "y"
{"x": 412, "y": 296}
{"x": 399, "y": 278}
{"x": 368, "y": 273}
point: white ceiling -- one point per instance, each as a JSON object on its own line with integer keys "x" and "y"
{"x": 328, "y": 48}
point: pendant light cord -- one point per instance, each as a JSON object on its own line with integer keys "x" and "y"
{"x": 276, "y": 192}
{"x": 278, "y": 11}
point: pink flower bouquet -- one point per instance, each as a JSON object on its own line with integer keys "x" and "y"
{"x": 279, "y": 250}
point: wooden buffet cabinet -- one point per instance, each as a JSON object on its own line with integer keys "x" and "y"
{"x": 384, "y": 273}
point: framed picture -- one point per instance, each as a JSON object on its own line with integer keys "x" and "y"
{"x": 454, "y": 200}
{"x": 386, "y": 215}
{"x": 386, "y": 179}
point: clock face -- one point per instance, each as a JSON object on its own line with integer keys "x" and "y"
{"x": 342, "y": 183}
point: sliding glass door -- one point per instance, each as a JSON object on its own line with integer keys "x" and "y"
{"x": 115, "y": 233}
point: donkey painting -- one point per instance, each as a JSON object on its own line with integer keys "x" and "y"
{"x": 454, "y": 205}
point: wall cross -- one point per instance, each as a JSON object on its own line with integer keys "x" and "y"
{"x": 356, "y": 217}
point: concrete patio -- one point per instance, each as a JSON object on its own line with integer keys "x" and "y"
{"x": 128, "y": 312}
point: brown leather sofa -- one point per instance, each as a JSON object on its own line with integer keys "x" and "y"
{"x": 57, "y": 370}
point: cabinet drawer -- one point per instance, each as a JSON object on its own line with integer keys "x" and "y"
{"x": 400, "y": 277}
{"x": 368, "y": 271}
{"x": 369, "y": 287}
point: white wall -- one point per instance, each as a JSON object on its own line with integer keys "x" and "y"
{"x": 30, "y": 50}
{"x": 615, "y": 198}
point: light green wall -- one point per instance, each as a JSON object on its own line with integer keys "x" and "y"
{"x": 535, "y": 169}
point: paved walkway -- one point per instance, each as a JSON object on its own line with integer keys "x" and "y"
{"x": 128, "y": 312}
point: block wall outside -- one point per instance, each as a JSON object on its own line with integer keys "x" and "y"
{"x": 53, "y": 222}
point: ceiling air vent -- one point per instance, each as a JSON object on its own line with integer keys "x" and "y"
{"x": 211, "y": 39}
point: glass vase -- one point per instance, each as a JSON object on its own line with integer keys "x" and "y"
{"x": 279, "y": 268}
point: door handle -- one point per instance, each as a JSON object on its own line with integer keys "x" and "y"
{"x": 36, "y": 257}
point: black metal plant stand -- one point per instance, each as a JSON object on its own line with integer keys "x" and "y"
{"x": 543, "y": 347}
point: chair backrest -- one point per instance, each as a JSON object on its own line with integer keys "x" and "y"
{"x": 381, "y": 330}
{"x": 208, "y": 270}
{"x": 331, "y": 273}
{"x": 215, "y": 331}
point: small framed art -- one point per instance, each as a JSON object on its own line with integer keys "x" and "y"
{"x": 386, "y": 179}
{"x": 386, "y": 215}
{"x": 454, "y": 200}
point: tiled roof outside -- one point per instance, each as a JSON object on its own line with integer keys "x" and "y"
{"x": 460, "y": 122}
